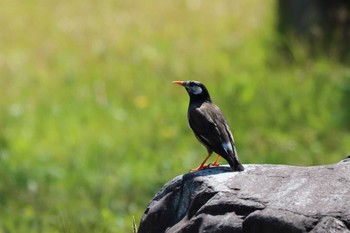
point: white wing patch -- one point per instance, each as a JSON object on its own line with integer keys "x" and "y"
{"x": 227, "y": 146}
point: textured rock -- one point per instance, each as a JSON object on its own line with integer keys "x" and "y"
{"x": 263, "y": 198}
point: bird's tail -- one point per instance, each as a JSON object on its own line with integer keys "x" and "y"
{"x": 239, "y": 167}
{"x": 235, "y": 164}
{"x": 231, "y": 157}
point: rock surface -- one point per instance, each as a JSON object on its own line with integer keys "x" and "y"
{"x": 263, "y": 198}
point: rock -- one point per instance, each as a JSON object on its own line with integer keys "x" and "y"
{"x": 330, "y": 224}
{"x": 263, "y": 198}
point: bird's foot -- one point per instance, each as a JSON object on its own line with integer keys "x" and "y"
{"x": 214, "y": 164}
{"x": 200, "y": 167}
{"x": 204, "y": 166}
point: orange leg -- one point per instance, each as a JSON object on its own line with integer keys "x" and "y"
{"x": 215, "y": 163}
{"x": 202, "y": 165}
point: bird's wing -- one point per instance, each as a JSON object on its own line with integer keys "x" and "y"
{"x": 210, "y": 127}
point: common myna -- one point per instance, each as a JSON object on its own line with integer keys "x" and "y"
{"x": 209, "y": 126}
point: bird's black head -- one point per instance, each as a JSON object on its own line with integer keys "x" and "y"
{"x": 195, "y": 89}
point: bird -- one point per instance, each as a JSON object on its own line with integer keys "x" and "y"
{"x": 209, "y": 126}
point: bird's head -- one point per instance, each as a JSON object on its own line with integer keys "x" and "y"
{"x": 195, "y": 89}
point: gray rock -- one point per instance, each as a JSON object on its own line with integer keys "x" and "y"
{"x": 263, "y": 198}
{"x": 330, "y": 225}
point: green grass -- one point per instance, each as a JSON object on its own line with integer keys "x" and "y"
{"x": 91, "y": 126}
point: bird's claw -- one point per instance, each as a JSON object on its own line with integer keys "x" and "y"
{"x": 214, "y": 164}
{"x": 204, "y": 166}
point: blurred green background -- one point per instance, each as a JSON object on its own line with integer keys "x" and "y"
{"x": 91, "y": 126}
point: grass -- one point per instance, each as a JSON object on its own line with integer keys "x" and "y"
{"x": 91, "y": 126}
